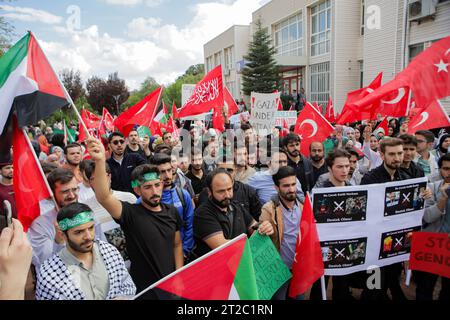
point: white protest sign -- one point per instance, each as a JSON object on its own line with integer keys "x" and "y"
{"x": 289, "y": 116}
{"x": 263, "y": 111}
{"x": 368, "y": 225}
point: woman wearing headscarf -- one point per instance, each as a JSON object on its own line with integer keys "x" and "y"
{"x": 443, "y": 146}
{"x": 45, "y": 146}
{"x": 59, "y": 152}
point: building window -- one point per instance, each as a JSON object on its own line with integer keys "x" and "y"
{"x": 288, "y": 36}
{"x": 209, "y": 64}
{"x": 218, "y": 58}
{"x": 229, "y": 58}
{"x": 415, "y": 50}
{"x": 320, "y": 28}
{"x": 231, "y": 86}
{"x": 320, "y": 83}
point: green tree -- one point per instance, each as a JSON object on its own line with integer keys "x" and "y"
{"x": 6, "y": 32}
{"x": 110, "y": 93}
{"x": 261, "y": 73}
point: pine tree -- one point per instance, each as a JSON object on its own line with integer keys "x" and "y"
{"x": 261, "y": 73}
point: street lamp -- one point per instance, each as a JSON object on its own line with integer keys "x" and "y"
{"x": 117, "y": 97}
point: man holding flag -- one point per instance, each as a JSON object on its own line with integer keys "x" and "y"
{"x": 284, "y": 212}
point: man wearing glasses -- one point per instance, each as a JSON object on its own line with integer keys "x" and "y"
{"x": 45, "y": 239}
{"x": 121, "y": 163}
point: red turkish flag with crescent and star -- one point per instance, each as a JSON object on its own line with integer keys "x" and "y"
{"x": 427, "y": 76}
{"x": 311, "y": 126}
{"x": 432, "y": 117}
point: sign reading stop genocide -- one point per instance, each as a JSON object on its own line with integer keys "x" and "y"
{"x": 430, "y": 252}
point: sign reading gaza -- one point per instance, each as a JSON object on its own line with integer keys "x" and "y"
{"x": 363, "y": 226}
{"x": 263, "y": 111}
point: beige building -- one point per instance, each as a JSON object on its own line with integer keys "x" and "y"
{"x": 330, "y": 47}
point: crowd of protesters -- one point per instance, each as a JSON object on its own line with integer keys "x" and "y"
{"x": 176, "y": 197}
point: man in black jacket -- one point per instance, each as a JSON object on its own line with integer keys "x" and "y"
{"x": 244, "y": 196}
{"x": 302, "y": 165}
{"x": 121, "y": 163}
{"x": 409, "y": 154}
{"x": 391, "y": 151}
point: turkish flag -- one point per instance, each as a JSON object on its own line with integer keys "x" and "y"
{"x": 311, "y": 126}
{"x": 318, "y": 108}
{"x": 308, "y": 263}
{"x": 383, "y": 127}
{"x": 155, "y": 128}
{"x": 218, "y": 121}
{"x": 92, "y": 122}
{"x": 349, "y": 114}
{"x": 228, "y": 98}
{"x": 174, "y": 111}
{"x": 141, "y": 113}
{"x": 106, "y": 123}
{"x": 207, "y": 95}
{"x": 29, "y": 184}
{"x": 329, "y": 112}
{"x": 432, "y": 117}
{"x": 427, "y": 76}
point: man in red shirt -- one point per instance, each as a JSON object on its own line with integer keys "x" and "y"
{"x": 6, "y": 188}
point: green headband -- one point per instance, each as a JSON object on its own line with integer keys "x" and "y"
{"x": 150, "y": 176}
{"x": 78, "y": 220}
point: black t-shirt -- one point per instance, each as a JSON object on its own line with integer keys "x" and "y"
{"x": 150, "y": 241}
{"x": 139, "y": 151}
{"x": 197, "y": 184}
{"x": 209, "y": 219}
{"x": 317, "y": 172}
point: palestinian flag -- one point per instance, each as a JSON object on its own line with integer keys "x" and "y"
{"x": 69, "y": 134}
{"x": 28, "y": 84}
{"x": 225, "y": 273}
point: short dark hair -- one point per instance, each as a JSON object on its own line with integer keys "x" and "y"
{"x": 408, "y": 139}
{"x": 210, "y": 177}
{"x": 47, "y": 167}
{"x": 245, "y": 126}
{"x": 160, "y": 158}
{"x": 160, "y": 148}
{"x": 333, "y": 155}
{"x": 115, "y": 134}
{"x": 84, "y": 164}
{"x": 428, "y": 135}
{"x": 90, "y": 169}
{"x": 71, "y": 210}
{"x": 283, "y": 172}
{"x": 166, "y": 133}
{"x": 352, "y": 152}
{"x": 72, "y": 145}
{"x": 390, "y": 142}
{"x": 445, "y": 157}
{"x": 59, "y": 175}
{"x": 134, "y": 129}
{"x": 291, "y": 137}
{"x": 139, "y": 172}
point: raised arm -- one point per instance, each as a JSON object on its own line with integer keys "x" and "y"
{"x": 101, "y": 185}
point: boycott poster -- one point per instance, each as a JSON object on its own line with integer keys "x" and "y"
{"x": 402, "y": 199}
{"x": 343, "y": 253}
{"x": 356, "y": 233}
{"x": 430, "y": 252}
{"x": 289, "y": 116}
{"x": 263, "y": 111}
{"x": 340, "y": 207}
{"x": 398, "y": 242}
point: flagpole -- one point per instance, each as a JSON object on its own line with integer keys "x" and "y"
{"x": 68, "y": 97}
{"x": 324, "y": 290}
{"x": 227, "y": 244}
{"x": 408, "y": 277}
{"x": 409, "y": 102}
{"x": 40, "y": 168}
